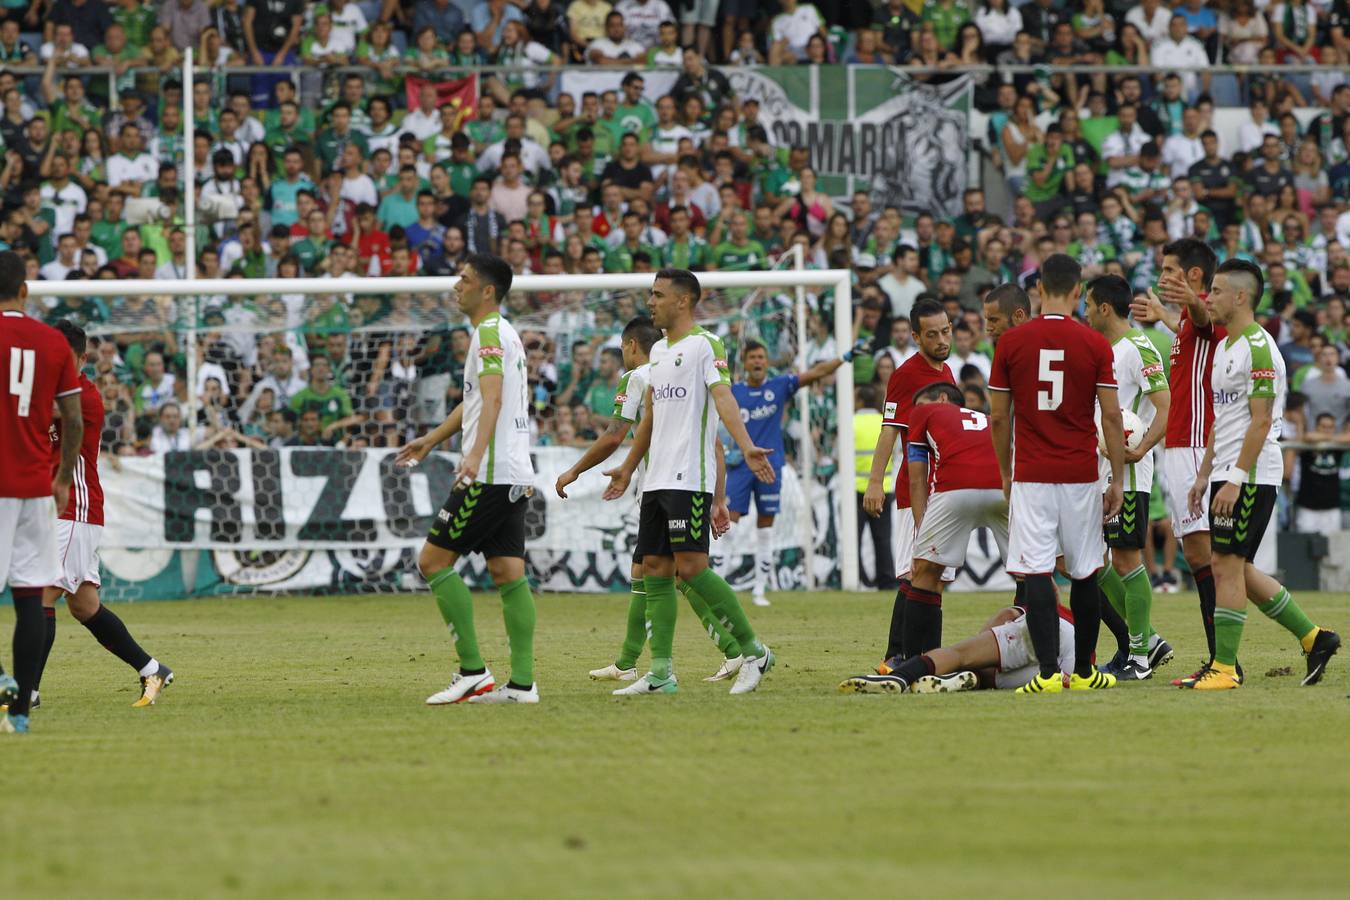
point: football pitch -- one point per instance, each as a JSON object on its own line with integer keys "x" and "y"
{"x": 294, "y": 757}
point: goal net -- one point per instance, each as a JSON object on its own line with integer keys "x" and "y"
{"x": 251, "y": 426}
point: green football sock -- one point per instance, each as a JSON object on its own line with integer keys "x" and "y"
{"x": 635, "y": 637}
{"x": 662, "y": 609}
{"x": 1289, "y": 614}
{"x": 1113, "y": 586}
{"x": 724, "y": 639}
{"x": 726, "y": 607}
{"x": 456, "y": 606}
{"x": 518, "y": 611}
{"x": 1138, "y": 604}
{"x": 1228, "y": 634}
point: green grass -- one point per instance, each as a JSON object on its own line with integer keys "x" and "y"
{"x": 295, "y": 758}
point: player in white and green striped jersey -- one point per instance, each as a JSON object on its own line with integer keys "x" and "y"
{"x": 1142, "y": 389}
{"x": 638, "y": 337}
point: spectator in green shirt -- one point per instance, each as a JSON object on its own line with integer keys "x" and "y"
{"x": 332, "y": 141}
{"x": 1047, "y": 164}
{"x": 684, "y": 250}
{"x": 576, "y": 375}
{"x": 739, "y": 253}
{"x": 600, "y": 395}
{"x": 332, "y": 403}
{"x": 620, "y": 259}
{"x": 313, "y": 248}
{"x": 946, "y": 17}
{"x": 70, "y": 108}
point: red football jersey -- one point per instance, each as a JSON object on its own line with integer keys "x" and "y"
{"x": 36, "y": 367}
{"x": 86, "y": 495}
{"x": 1192, "y": 361}
{"x": 906, "y": 381}
{"x": 960, "y": 447}
{"x": 1053, "y": 366}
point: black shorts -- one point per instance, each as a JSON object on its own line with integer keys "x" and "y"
{"x": 481, "y": 519}
{"x": 674, "y": 522}
{"x": 1126, "y": 529}
{"x": 1240, "y": 534}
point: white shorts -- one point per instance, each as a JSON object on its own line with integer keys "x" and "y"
{"x": 951, "y": 516}
{"x": 904, "y": 554}
{"x": 1317, "y": 521}
{"x": 77, "y": 553}
{"x": 27, "y": 542}
{"x": 1017, "y": 663}
{"x": 1045, "y": 520}
{"x": 1180, "y": 466}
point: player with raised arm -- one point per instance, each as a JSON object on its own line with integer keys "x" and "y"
{"x": 1187, "y": 270}
{"x": 78, "y": 532}
{"x": 1045, "y": 378}
{"x": 916, "y": 622}
{"x": 485, "y": 512}
{"x": 950, "y": 453}
{"x": 763, "y": 400}
{"x": 37, "y": 375}
{"x": 1141, "y": 387}
{"x": 1239, "y": 476}
{"x": 638, "y": 337}
{"x": 688, "y": 385}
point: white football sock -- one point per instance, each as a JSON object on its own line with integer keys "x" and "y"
{"x": 763, "y": 558}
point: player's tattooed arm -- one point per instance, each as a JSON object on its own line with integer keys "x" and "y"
{"x": 72, "y": 433}
{"x": 1113, "y": 427}
{"x": 1000, "y": 429}
{"x": 642, "y": 440}
{"x": 730, "y": 412}
{"x": 600, "y": 450}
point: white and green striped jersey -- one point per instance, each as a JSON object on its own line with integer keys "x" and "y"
{"x": 684, "y": 417}
{"x": 1139, "y": 374}
{"x": 495, "y": 349}
{"x": 1247, "y": 365}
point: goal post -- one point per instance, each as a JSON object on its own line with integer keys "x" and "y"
{"x": 185, "y": 308}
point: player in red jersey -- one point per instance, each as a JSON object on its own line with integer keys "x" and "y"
{"x": 37, "y": 375}
{"x": 78, "y": 531}
{"x": 933, "y": 334}
{"x": 1187, "y": 271}
{"x": 1046, "y": 376}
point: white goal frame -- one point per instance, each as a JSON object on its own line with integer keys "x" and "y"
{"x": 838, "y": 280}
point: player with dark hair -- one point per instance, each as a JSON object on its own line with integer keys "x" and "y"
{"x": 1045, "y": 378}
{"x": 639, "y": 336}
{"x": 485, "y": 512}
{"x": 37, "y": 375}
{"x": 950, "y": 453}
{"x": 1006, "y": 306}
{"x": 1239, "y": 477}
{"x": 1187, "y": 271}
{"x": 1141, "y": 386}
{"x": 916, "y": 622}
{"x": 763, "y": 400}
{"x": 78, "y": 532}
{"x": 682, "y": 495}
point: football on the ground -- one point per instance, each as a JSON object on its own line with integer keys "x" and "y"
{"x": 1134, "y": 431}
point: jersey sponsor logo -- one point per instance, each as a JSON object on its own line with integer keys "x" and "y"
{"x": 1222, "y": 398}
{"x": 620, "y": 398}
{"x": 717, "y": 363}
{"x": 491, "y": 351}
{"x": 670, "y": 392}
{"x": 1258, "y": 374}
{"x": 1223, "y": 522}
{"x": 769, "y": 396}
{"x": 1150, "y": 371}
{"x": 761, "y": 412}
{"x": 677, "y": 524}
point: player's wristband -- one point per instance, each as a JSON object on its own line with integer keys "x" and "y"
{"x": 1235, "y": 477}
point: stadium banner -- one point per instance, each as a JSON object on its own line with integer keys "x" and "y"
{"x": 869, "y": 127}
{"x": 580, "y": 80}
{"x": 218, "y": 522}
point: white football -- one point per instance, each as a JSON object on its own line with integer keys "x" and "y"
{"x": 1134, "y": 431}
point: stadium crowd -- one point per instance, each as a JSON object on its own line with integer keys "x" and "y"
{"x": 337, "y": 156}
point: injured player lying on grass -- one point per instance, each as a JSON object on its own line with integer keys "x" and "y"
{"x": 1000, "y": 656}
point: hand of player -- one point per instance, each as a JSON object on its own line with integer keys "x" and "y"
{"x": 61, "y": 493}
{"x": 757, "y": 458}
{"x": 412, "y": 453}
{"x": 858, "y": 347}
{"x": 874, "y": 498}
{"x": 1176, "y": 290}
{"x": 1146, "y": 312}
{"x": 1195, "y": 497}
{"x": 1225, "y": 500}
{"x": 563, "y": 481}
{"x": 721, "y": 518}
{"x": 1134, "y": 456}
{"x": 618, "y": 483}
{"x": 1007, "y": 488}
{"x": 467, "y": 470}
{"x": 1112, "y": 501}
